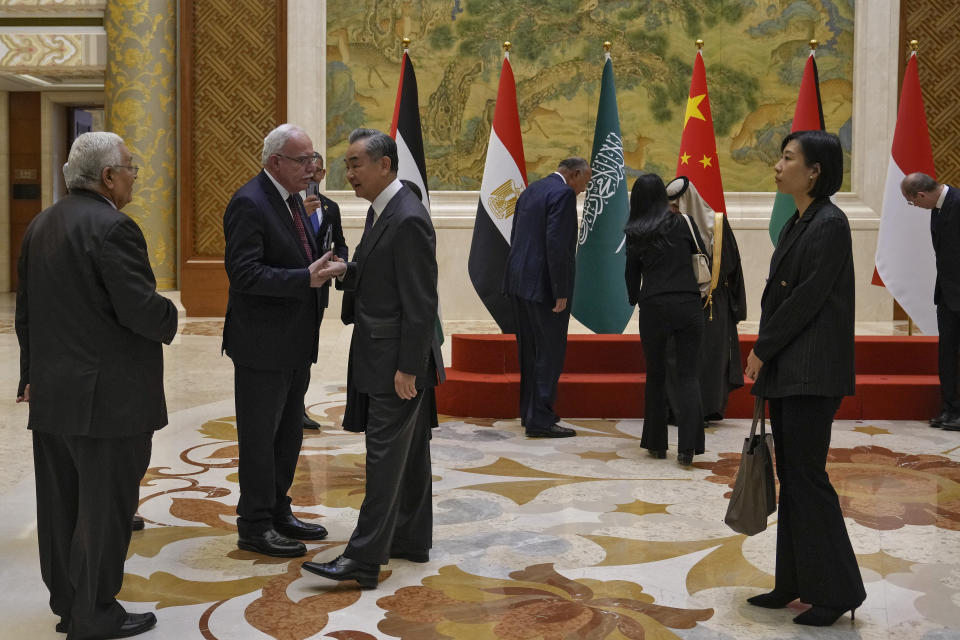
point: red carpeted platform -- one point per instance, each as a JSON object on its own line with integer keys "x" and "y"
{"x": 604, "y": 377}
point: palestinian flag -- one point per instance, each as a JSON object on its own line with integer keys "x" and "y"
{"x": 504, "y": 178}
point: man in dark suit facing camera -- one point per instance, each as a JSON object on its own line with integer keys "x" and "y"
{"x": 271, "y": 334}
{"x": 90, "y": 325}
{"x": 395, "y": 360}
{"x": 920, "y": 190}
{"x": 324, "y": 216}
{"x": 539, "y": 280}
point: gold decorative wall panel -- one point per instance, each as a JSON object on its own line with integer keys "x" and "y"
{"x": 236, "y": 93}
{"x": 140, "y": 92}
{"x": 935, "y": 24}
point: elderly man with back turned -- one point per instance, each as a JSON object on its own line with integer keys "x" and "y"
{"x": 395, "y": 362}
{"x": 539, "y": 280}
{"x": 90, "y": 325}
{"x": 271, "y": 334}
{"x": 920, "y": 190}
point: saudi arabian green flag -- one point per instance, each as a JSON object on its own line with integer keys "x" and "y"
{"x": 600, "y": 292}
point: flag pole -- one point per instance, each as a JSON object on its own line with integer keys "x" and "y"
{"x": 914, "y": 45}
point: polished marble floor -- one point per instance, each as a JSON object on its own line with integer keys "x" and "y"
{"x": 582, "y": 538}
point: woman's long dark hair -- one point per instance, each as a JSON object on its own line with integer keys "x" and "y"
{"x": 650, "y": 216}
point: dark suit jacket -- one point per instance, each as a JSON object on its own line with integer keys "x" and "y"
{"x": 90, "y": 322}
{"x": 945, "y": 230}
{"x": 330, "y": 219}
{"x": 393, "y": 278}
{"x": 543, "y": 242}
{"x": 650, "y": 272}
{"x": 273, "y": 315}
{"x": 807, "y": 309}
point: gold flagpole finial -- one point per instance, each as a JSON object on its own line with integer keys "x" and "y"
{"x": 606, "y": 46}
{"x": 914, "y": 45}
{"x": 406, "y": 43}
{"x": 507, "y": 46}
{"x": 699, "y": 44}
{"x": 814, "y": 44}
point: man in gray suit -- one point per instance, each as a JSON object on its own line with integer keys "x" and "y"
{"x": 395, "y": 360}
{"x": 90, "y": 325}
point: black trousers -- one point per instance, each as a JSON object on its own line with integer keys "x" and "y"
{"x": 542, "y": 346}
{"x": 270, "y": 431}
{"x": 87, "y": 492}
{"x": 948, "y": 351}
{"x": 814, "y": 556}
{"x": 680, "y": 318}
{"x": 397, "y": 510}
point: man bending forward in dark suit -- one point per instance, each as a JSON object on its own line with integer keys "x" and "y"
{"x": 271, "y": 334}
{"x": 395, "y": 359}
{"x": 539, "y": 280}
{"x": 90, "y": 325}
{"x": 922, "y": 191}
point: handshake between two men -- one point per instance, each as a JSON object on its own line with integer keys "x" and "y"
{"x": 327, "y": 266}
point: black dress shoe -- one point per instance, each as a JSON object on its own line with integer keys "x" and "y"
{"x": 136, "y": 524}
{"x": 773, "y": 599}
{"x": 134, "y": 624}
{"x": 552, "y": 431}
{"x": 952, "y": 424}
{"x": 822, "y": 616}
{"x": 685, "y": 458}
{"x": 659, "y": 454}
{"x": 271, "y": 543}
{"x": 412, "y": 556}
{"x": 344, "y": 568}
{"x": 292, "y": 527}
{"x": 310, "y": 423}
{"x": 937, "y": 422}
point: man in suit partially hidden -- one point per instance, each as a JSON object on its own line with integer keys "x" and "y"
{"x": 920, "y": 190}
{"x": 539, "y": 280}
{"x": 271, "y": 334}
{"x": 324, "y": 216}
{"x": 395, "y": 360}
{"x": 90, "y": 325}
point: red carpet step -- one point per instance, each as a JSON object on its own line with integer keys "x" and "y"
{"x": 604, "y": 377}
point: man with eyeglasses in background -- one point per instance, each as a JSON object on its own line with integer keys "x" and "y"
{"x": 271, "y": 334}
{"x": 90, "y": 325}
{"x": 920, "y": 190}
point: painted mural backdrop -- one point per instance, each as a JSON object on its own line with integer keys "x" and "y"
{"x": 755, "y": 51}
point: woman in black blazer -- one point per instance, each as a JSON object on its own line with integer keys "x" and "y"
{"x": 660, "y": 280}
{"x": 803, "y": 364}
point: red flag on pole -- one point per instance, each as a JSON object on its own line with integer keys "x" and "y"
{"x": 698, "y": 146}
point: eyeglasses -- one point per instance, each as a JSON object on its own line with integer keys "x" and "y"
{"x": 132, "y": 167}
{"x": 303, "y": 160}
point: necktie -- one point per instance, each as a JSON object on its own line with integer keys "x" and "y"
{"x": 296, "y": 210}
{"x": 369, "y": 223}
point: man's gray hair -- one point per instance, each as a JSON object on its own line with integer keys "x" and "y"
{"x": 914, "y": 183}
{"x": 90, "y": 153}
{"x": 378, "y": 144}
{"x": 276, "y": 139}
{"x": 576, "y": 163}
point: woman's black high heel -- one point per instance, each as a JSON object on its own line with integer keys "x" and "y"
{"x": 773, "y": 599}
{"x": 822, "y": 616}
{"x": 685, "y": 458}
{"x": 659, "y": 454}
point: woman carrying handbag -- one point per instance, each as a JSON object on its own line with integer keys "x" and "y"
{"x": 661, "y": 246}
{"x": 803, "y": 364}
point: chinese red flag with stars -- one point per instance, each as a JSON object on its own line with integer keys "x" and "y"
{"x": 698, "y": 145}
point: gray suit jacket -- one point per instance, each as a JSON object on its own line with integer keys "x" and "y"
{"x": 393, "y": 277}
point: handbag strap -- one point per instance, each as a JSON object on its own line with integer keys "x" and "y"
{"x": 692, "y": 234}
{"x": 759, "y": 417}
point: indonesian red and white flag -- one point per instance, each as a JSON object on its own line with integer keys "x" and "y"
{"x": 905, "y": 259}
{"x": 504, "y": 179}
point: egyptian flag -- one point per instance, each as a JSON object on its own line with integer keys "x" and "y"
{"x": 504, "y": 178}
{"x": 405, "y": 129}
{"x": 905, "y": 259}
{"x": 808, "y": 116}
{"x": 698, "y": 145}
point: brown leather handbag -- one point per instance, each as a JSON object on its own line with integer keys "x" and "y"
{"x": 754, "y": 494}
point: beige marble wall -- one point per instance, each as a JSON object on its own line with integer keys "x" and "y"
{"x": 4, "y": 192}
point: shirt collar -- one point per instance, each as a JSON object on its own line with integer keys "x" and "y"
{"x": 380, "y": 202}
{"x": 943, "y": 196}
{"x": 284, "y": 194}
{"x": 557, "y": 173}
